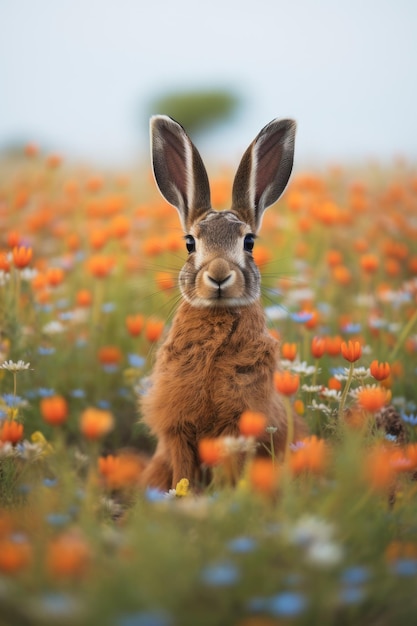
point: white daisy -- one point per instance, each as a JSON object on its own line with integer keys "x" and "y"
{"x": 11, "y": 366}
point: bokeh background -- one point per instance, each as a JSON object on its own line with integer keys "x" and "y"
{"x": 80, "y": 76}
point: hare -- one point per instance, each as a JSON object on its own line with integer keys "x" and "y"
{"x": 218, "y": 358}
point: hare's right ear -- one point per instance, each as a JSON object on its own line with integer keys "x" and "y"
{"x": 179, "y": 170}
{"x": 264, "y": 171}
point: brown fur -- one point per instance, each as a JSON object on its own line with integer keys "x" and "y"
{"x": 213, "y": 365}
{"x": 218, "y": 359}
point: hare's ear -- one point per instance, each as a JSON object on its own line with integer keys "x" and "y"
{"x": 264, "y": 171}
{"x": 179, "y": 170}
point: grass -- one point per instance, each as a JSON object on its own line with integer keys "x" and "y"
{"x": 329, "y": 536}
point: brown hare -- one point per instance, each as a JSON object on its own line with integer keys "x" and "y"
{"x": 218, "y": 358}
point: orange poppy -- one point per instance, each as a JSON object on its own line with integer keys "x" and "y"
{"x": 135, "y": 324}
{"x": 351, "y": 350}
{"x": 11, "y": 431}
{"x": 380, "y": 371}
{"x": 22, "y": 256}
{"x": 252, "y": 424}
{"x": 286, "y": 382}
{"x": 372, "y": 398}
{"x": 289, "y": 351}
{"x": 54, "y": 410}
{"x": 96, "y": 423}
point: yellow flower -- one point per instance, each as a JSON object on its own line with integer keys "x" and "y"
{"x": 182, "y": 488}
{"x": 37, "y": 437}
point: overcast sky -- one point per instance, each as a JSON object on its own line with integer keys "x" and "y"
{"x": 77, "y": 75}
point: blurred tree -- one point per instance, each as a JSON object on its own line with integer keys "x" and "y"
{"x": 196, "y": 110}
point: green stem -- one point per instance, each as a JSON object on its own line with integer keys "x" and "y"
{"x": 290, "y": 429}
{"x": 346, "y": 391}
{"x": 404, "y": 334}
{"x": 271, "y": 436}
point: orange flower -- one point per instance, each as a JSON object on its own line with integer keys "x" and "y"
{"x": 299, "y": 407}
{"x": 165, "y": 280}
{"x": 68, "y": 556}
{"x": 14, "y": 555}
{"x": 152, "y": 246}
{"x": 380, "y": 371}
{"x": 372, "y": 398}
{"x": 309, "y": 455}
{"x": 96, "y": 423}
{"x": 110, "y": 355}
{"x": 334, "y": 257}
{"x": 31, "y": 149}
{"x": 379, "y": 473}
{"x": 11, "y": 431}
{"x": 342, "y": 274}
{"x": 252, "y": 424}
{"x": 263, "y": 475}
{"x": 98, "y": 238}
{"x": 53, "y": 161}
{"x": 4, "y": 262}
{"x": 119, "y": 226}
{"x": 318, "y": 347}
{"x": 313, "y": 321}
{"x": 334, "y": 383}
{"x": 351, "y": 351}
{"x": 83, "y": 298}
{"x": 94, "y": 183}
{"x": 54, "y": 276}
{"x": 286, "y": 382}
{"x": 211, "y": 451}
{"x": 154, "y": 329}
{"x": 120, "y": 472}
{"x": 369, "y": 263}
{"x": 100, "y": 266}
{"x": 135, "y": 324}
{"x": 13, "y": 239}
{"x": 54, "y": 410}
{"x": 261, "y": 255}
{"x": 333, "y": 345}
{"x": 289, "y": 351}
{"x": 22, "y": 256}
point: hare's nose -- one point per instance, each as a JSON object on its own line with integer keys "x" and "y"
{"x": 219, "y": 274}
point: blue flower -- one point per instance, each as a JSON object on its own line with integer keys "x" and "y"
{"x": 108, "y": 307}
{"x": 66, "y": 316}
{"x": 57, "y": 519}
{"x": 46, "y": 351}
{"x": 103, "y": 404}
{"x": 287, "y": 604}
{"x": 302, "y": 317}
{"x": 58, "y": 605}
{"x": 404, "y": 567}
{"x": 220, "y": 574}
{"x": 50, "y": 482}
{"x": 352, "y": 328}
{"x": 242, "y": 544}
{"x": 355, "y": 575}
{"x": 409, "y": 418}
{"x": 135, "y": 360}
{"x": 154, "y": 495}
{"x": 78, "y": 393}
{"x": 43, "y": 392}
{"x": 12, "y": 401}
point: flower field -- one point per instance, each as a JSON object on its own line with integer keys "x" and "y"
{"x": 325, "y": 535}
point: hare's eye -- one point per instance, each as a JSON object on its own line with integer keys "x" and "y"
{"x": 190, "y": 243}
{"x": 249, "y": 242}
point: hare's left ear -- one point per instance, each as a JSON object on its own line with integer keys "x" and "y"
{"x": 264, "y": 171}
{"x": 179, "y": 170}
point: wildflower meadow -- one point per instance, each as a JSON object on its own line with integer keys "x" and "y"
{"x": 325, "y": 535}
